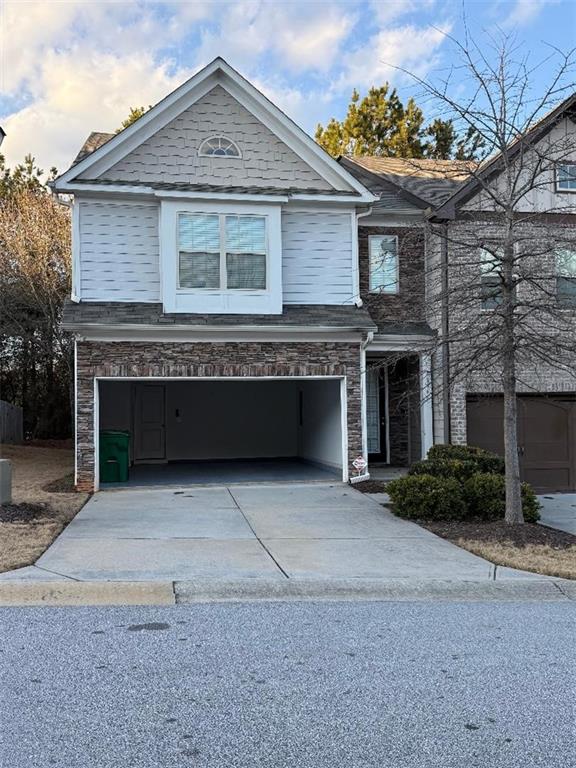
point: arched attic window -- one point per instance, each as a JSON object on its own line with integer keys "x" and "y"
{"x": 219, "y": 146}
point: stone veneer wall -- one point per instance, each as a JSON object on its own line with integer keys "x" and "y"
{"x": 206, "y": 360}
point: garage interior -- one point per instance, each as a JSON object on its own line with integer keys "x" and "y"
{"x": 225, "y": 431}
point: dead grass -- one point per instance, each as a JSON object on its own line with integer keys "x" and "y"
{"x": 529, "y": 547}
{"x": 33, "y": 469}
{"x": 537, "y": 558}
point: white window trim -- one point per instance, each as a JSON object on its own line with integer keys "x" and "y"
{"x": 202, "y": 153}
{"x": 564, "y": 190}
{"x": 379, "y": 291}
{"x": 223, "y": 260}
{"x": 217, "y": 300}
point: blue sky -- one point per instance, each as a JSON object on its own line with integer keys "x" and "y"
{"x": 72, "y": 66}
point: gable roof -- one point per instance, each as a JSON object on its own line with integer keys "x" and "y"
{"x": 493, "y": 166}
{"x": 93, "y": 142}
{"x": 104, "y": 155}
{"x": 423, "y": 182}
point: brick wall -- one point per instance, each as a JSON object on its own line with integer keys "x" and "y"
{"x": 122, "y": 359}
{"x": 408, "y": 304}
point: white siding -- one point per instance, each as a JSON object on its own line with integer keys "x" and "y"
{"x": 317, "y": 257}
{"x": 118, "y": 251}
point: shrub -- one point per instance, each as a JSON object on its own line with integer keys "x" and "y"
{"x": 485, "y": 496}
{"x": 458, "y": 469}
{"x": 426, "y": 496}
{"x": 485, "y": 461}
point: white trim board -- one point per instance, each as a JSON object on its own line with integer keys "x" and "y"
{"x": 211, "y": 334}
{"x": 218, "y": 72}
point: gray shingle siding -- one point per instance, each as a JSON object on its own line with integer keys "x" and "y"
{"x": 171, "y": 154}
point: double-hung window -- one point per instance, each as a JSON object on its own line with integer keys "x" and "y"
{"x": 566, "y": 278}
{"x": 490, "y": 276}
{"x": 566, "y": 177}
{"x": 383, "y": 263}
{"x": 222, "y": 252}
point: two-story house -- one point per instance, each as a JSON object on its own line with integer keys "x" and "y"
{"x": 241, "y": 298}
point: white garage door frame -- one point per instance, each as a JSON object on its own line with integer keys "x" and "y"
{"x": 160, "y": 379}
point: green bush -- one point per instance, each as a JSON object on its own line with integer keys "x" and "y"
{"x": 455, "y": 468}
{"x": 485, "y": 496}
{"x": 428, "y": 497}
{"x": 485, "y": 461}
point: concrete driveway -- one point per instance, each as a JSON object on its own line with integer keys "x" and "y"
{"x": 325, "y": 531}
{"x": 559, "y": 511}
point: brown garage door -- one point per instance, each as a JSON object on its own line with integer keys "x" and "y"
{"x": 546, "y": 436}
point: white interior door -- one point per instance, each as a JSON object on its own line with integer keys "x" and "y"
{"x": 150, "y": 422}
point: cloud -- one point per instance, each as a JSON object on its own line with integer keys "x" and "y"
{"x": 525, "y": 12}
{"x": 79, "y": 92}
{"x": 390, "y": 10}
{"x": 409, "y": 47}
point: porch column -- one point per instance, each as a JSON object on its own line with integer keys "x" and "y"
{"x": 426, "y": 413}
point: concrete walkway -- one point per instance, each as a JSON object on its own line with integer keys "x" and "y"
{"x": 233, "y": 534}
{"x": 559, "y": 511}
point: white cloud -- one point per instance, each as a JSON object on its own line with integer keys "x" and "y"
{"x": 412, "y": 48}
{"x": 79, "y": 92}
{"x": 524, "y": 12}
{"x": 385, "y": 11}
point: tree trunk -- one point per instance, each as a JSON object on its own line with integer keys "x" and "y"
{"x": 513, "y": 487}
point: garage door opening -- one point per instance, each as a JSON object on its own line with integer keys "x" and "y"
{"x": 227, "y": 431}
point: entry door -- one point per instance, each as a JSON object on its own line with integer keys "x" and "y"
{"x": 150, "y": 423}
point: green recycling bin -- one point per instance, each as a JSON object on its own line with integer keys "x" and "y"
{"x": 114, "y": 456}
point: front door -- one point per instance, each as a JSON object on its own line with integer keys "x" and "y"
{"x": 150, "y": 423}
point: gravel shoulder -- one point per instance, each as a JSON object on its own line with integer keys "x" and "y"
{"x": 44, "y": 502}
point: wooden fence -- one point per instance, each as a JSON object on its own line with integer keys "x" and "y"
{"x": 10, "y": 423}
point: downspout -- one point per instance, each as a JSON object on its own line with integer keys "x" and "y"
{"x": 363, "y": 475}
{"x": 358, "y": 300}
{"x": 445, "y": 326}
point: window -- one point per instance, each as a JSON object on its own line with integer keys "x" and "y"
{"x": 221, "y": 252}
{"x": 218, "y": 146}
{"x": 566, "y": 278}
{"x": 566, "y": 177}
{"x": 490, "y": 277}
{"x": 383, "y": 258}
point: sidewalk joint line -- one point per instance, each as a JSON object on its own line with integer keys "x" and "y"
{"x": 47, "y": 570}
{"x": 258, "y": 539}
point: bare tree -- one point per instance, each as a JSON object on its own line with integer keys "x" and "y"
{"x": 500, "y": 286}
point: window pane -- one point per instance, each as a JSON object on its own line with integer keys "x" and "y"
{"x": 199, "y": 270}
{"x": 245, "y": 234}
{"x": 491, "y": 259}
{"x": 566, "y": 261}
{"x": 199, "y": 232}
{"x": 567, "y": 176}
{"x": 566, "y": 288}
{"x": 491, "y": 292}
{"x": 246, "y": 270}
{"x": 383, "y": 264}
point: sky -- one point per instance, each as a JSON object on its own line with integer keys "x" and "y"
{"x": 68, "y": 67}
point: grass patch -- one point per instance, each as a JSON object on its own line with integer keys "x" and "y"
{"x": 528, "y": 547}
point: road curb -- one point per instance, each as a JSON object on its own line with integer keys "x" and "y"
{"x": 26, "y": 593}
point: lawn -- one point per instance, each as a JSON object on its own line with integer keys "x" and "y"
{"x": 44, "y": 502}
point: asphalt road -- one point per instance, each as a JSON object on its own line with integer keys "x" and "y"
{"x": 399, "y": 685}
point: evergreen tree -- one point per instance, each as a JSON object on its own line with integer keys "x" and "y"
{"x": 135, "y": 114}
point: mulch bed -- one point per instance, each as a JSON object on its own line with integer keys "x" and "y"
{"x": 25, "y": 513}
{"x": 62, "y": 485}
{"x": 498, "y": 532}
{"x": 370, "y": 486}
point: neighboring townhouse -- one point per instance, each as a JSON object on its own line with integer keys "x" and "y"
{"x": 240, "y": 296}
{"x": 428, "y": 196}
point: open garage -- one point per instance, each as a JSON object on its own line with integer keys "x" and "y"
{"x": 546, "y": 436}
{"x": 227, "y": 430}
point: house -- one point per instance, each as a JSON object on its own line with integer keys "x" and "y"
{"x": 449, "y": 204}
{"x": 240, "y": 295}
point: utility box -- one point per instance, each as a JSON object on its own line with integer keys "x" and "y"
{"x": 114, "y": 456}
{"x": 5, "y": 481}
